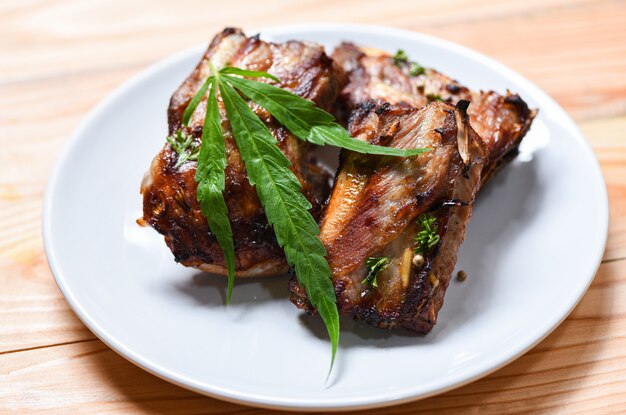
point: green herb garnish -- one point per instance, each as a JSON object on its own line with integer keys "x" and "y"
{"x": 278, "y": 189}
{"x": 434, "y": 97}
{"x": 428, "y": 237}
{"x": 416, "y": 69}
{"x": 374, "y": 267}
{"x": 400, "y": 57}
{"x": 185, "y": 146}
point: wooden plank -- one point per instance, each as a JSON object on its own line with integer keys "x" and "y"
{"x": 538, "y": 39}
{"x": 580, "y": 368}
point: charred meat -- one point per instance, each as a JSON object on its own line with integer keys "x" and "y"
{"x": 410, "y": 213}
{"x": 501, "y": 121}
{"x": 376, "y": 204}
{"x": 169, "y": 190}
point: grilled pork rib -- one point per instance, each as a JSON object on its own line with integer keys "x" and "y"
{"x": 169, "y": 193}
{"x": 501, "y": 121}
{"x": 375, "y": 202}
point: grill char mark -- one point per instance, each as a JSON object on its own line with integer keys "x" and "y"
{"x": 372, "y": 210}
{"x": 377, "y": 85}
{"x": 500, "y": 120}
{"x": 170, "y": 203}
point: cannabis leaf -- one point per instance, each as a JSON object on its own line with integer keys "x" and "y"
{"x": 286, "y": 208}
{"x": 193, "y": 104}
{"x": 210, "y": 178}
{"x": 308, "y": 122}
{"x": 278, "y": 189}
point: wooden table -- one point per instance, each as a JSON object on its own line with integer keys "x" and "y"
{"x": 59, "y": 58}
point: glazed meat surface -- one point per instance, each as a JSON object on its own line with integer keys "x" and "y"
{"x": 375, "y": 202}
{"x": 169, "y": 193}
{"x": 501, "y": 121}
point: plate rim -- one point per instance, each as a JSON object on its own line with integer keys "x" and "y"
{"x": 399, "y": 396}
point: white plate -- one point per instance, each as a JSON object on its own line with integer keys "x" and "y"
{"x": 529, "y": 261}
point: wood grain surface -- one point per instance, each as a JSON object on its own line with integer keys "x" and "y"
{"x": 59, "y": 58}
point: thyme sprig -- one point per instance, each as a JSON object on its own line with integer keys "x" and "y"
{"x": 428, "y": 237}
{"x": 374, "y": 267}
{"x": 185, "y": 146}
{"x": 434, "y": 98}
{"x": 401, "y": 59}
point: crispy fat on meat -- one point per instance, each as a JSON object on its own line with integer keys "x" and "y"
{"x": 169, "y": 193}
{"x": 376, "y": 200}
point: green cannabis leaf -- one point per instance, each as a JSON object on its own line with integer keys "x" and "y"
{"x": 211, "y": 181}
{"x": 278, "y": 189}
{"x": 231, "y": 70}
{"x": 193, "y": 104}
{"x": 286, "y": 208}
{"x": 308, "y": 122}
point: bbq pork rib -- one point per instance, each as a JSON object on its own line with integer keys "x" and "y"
{"x": 375, "y": 203}
{"x": 500, "y": 120}
{"x": 169, "y": 192}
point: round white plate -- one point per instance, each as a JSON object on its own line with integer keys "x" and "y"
{"x": 529, "y": 262}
